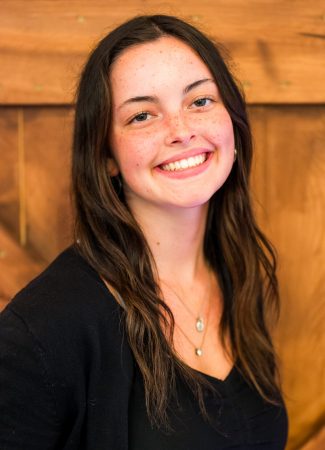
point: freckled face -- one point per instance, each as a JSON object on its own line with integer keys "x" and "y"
{"x": 171, "y": 137}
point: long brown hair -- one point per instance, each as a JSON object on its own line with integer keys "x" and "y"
{"x": 112, "y": 242}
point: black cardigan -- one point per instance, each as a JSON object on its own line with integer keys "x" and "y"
{"x": 66, "y": 369}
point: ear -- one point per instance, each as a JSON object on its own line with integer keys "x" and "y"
{"x": 112, "y": 167}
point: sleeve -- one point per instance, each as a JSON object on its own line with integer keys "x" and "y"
{"x": 27, "y": 403}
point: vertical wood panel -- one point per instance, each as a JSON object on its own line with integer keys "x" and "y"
{"x": 289, "y": 183}
{"x": 9, "y": 174}
{"x": 47, "y": 152}
{"x": 22, "y": 179}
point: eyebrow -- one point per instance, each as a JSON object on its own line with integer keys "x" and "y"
{"x": 153, "y": 99}
{"x": 196, "y": 83}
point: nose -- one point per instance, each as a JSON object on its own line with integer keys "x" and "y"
{"x": 179, "y": 130}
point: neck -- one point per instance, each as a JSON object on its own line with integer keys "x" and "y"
{"x": 175, "y": 238}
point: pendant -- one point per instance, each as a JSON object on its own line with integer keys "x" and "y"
{"x": 199, "y": 324}
{"x": 198, "y": 352}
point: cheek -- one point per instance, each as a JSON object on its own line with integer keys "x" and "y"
{"x": 130, "y": 154}
{"x": 223, "y": 132}
{"x": 139, "y": 150}
{"x": 217, "y": 128}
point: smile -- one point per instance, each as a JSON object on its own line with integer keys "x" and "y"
{"x": 186, "y": 163}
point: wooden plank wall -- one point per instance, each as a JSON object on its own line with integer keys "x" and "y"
{"x": 34, "y": 174}
{"x": 289, "y": 188}
{"x": 278, "y": 49}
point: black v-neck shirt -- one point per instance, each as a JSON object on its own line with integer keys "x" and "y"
{"x": 240, "y": 419}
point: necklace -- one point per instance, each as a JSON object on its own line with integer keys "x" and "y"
{"x": 199, "y": 320}
{"x": 198, "y": 350}
{"x": 200, "y": 324}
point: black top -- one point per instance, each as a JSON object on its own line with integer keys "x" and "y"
{"x": 67, "y": 371}
{"x": 239, "y": 419}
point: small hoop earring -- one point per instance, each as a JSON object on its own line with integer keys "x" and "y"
{"x": 235, "y": 154}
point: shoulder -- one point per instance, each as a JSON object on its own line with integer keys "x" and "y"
{"x": 68, "y": 306}
{"x": 69, "y": 315}
{"x": 62, "y": 343}
{"x": 67, "y": 289}
{"x": 69, "y": 272}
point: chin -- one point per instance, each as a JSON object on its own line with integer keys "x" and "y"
{"x": 194, "y": 201}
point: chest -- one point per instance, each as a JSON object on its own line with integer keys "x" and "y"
{"x": 198, "y": 343}
{"x": 238, "y": 418}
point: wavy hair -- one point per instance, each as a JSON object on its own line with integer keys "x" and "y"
{"x": 112, "y": 242}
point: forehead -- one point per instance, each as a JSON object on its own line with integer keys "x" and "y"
{"x": 159, "y": 64}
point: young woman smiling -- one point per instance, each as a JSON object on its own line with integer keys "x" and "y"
{"x": 153, "y": 329}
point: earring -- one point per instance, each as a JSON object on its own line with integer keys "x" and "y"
{"x": 235, "y": 154}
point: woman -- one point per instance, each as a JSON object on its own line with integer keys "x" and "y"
{"x": 152, "y": 331}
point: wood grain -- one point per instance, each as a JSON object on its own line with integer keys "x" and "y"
{"x": 290, "y": 200}
{"x": 9, "y": 170}
{"x": 278, "y": 45}
{"x": 316, "y": 442}
{"x": 278, "y": 49}
{"x": 47, "y": 152}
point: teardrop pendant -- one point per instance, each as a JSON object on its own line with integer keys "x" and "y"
{"x": 198, "y": 351}
{"x": 199, "y": 324}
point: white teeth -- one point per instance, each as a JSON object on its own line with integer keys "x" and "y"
{"x": 192, "y": 161}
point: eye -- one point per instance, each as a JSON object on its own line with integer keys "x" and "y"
{"x": 203, "y": 101}
{"x": 141, "y": 117}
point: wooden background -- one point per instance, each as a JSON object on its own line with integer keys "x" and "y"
{"x": 278, "y": 49}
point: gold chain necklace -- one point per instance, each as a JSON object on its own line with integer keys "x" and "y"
{"x": 199, "y": 321}
{"x": 198, "y": 350}
{"x": 200, "y": 324}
